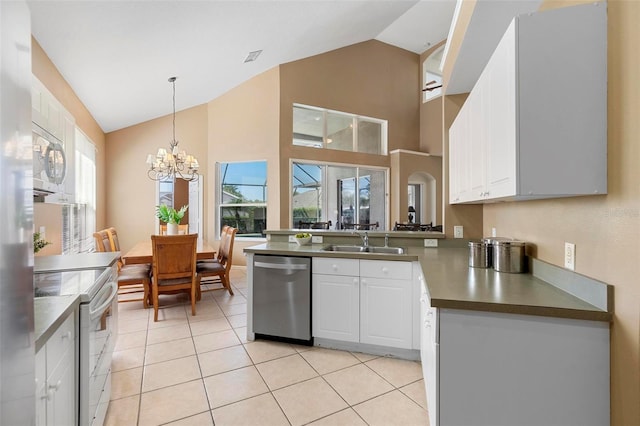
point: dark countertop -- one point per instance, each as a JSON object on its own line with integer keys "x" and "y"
{"x": 49, "y": 313}
{"x": 451, "y": 283}
{"x": 69, "y": 262}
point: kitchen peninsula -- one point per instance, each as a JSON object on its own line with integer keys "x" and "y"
{"x": 496, "y": 348}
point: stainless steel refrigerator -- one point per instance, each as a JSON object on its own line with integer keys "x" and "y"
{"x": 17, "y": 387}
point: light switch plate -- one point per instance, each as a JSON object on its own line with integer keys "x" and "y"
{"x": 458, "y": 232}
{"x": 570, "y": 256}
{"x": 316, "y": 239}
{"x": 292, "y": 238}
{"x": 430, "y": 242}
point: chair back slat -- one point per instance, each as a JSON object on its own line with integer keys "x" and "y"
{"x": 102, "y": 242}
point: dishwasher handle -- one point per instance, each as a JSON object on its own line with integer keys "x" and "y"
{"x": 281, "y": 266}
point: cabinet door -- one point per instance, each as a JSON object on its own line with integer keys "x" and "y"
{"x": 335, "y": 307}
{"x": 476, "y": 104}
{"x": 459, "y": 184}
{"x": 501, "y": 119}
{"x": 39, "y": 107}
{"x": 385, "y": 317}
{"x": 69, "y": 137}
{"x": 41, "y": 387}
{"x": 61, "y": 406}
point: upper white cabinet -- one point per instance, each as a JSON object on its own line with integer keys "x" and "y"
{"x": 535, "y": 124}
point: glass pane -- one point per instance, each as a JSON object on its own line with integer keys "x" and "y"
{"x": 339, "y": 131}
{"x": 307, "y": 127}
{"x": 250, "y": 221}
{"x": 372, "y": 196}
{"x": 341, "y": 194}
{"x": 307, "y": 193}
{"x": 165, "y": 190}
{"x": 244, "y": 182}
{"x": 370, "y": 136}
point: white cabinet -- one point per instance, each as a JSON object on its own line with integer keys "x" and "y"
{"x": 535, "y": 123}
{"x": 365, "y": 301}
{"x": 56, "y": 379}
{"x": 488, "y": 368}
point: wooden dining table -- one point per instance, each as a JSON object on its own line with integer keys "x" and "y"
{"x": 143, "y": 253}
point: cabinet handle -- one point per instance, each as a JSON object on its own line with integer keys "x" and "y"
{"x": 363, "y": 281}
{"x": 355, "y": 281}
{"x": 385, "y": 270}
{"x": 334, "y": 267}
{"x": 56, "y": 386}
{"x": 66, "y": 335}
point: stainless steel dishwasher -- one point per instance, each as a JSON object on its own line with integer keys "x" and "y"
{"x": 282, "y": 298}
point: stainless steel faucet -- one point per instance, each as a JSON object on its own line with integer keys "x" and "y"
{"x": 364, "y": 237}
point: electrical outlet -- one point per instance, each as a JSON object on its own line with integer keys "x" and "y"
{"x": 430, "y": 242}
{"x": 494, "y": 233}
{"x": 292, "y": 238}
{"x": 570, "y": 256}
{"x": 316, "y": 239}
{"x": 458, "y": 232}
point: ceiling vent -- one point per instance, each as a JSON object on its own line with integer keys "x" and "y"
{"x": 252, "y": 56}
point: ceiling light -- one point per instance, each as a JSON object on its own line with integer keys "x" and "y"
{"x": 172, "y": 164}
{"x": 252, "y": 56}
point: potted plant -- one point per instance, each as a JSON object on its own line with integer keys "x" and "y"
{"x": 39, "y": 243}
{"x": 171, "y": 217}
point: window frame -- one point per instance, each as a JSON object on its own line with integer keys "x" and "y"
{"x": 324, "y": 183}
{"x": 355, "y": 121}
{"x": 220, "y": 205}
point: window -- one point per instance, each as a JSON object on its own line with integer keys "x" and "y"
{"x": 81, "y": 219}
{"x": 242, "y": 197}
{"x": 323, "y": 128}
{"x": 341, "y": 194}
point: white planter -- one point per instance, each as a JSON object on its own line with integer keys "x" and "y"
{"x": 172, "y": 229}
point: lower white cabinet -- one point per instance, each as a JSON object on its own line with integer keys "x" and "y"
{"x": 56, "y": 379}
{"x": 363, "y": 301}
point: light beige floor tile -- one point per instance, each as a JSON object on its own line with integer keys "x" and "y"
{"x": 228, "y": 300}
{"x": 398, "y": 372}
{"x": 209, "y": 326}
{"x": 172, "y": 403}
{"x": 170, "y": 373}
{"x": 128, "y": 358}
{"x": 213, "y": 341}
{"x": 392, "y": 408}
{"x": 364, "y": 357}
{"x": 166, "y": 351}
{"x": 264, "y": 350}
{"x": 237, "y": 321}
{"x": 167, "y": 334}
{"x": 417, "y": 392}
{"x": 241, "y": 332}
{"x": 126, "y": 383}
{"x": 202, "y": 419}
{"x": 123, "y": 411}
{"x": 131, "y": 340}
{"x": 286, "y": 371}
{"x": 123, "y": 307}
{"x": 207, "y": 312}
{"x": 129, "y": 326}
{"x": 238, "y": 309}
{"x": 223, "y": 360}
{"x": 308, "y": 401}
{"x": 232, "y": 386}
{"x": 260, "y": 410}
{"x": 346, "y": 417}
{"x": 132, "y": 314}
{"x": 328, "y": 360}
{"x": 301, "y": 348}
{"x": 358, "y": 383}
{"x": 166, "y": 322}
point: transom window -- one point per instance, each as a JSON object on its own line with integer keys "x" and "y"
{"x": 323, "y": 128}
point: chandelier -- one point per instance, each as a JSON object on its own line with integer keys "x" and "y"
{"x": 172, "y": 164}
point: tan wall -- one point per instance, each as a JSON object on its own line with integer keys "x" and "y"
{"x": 49, "y": 75}
{"x": 243, "y": 126}
{"x": 370, "y": 78}
{"x": 605, "y": 229}
{"x": 131, "y": 195}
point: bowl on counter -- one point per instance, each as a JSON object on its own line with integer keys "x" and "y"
{"x": 303, "y": 238}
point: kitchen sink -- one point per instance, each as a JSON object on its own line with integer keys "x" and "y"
{"x": 363, "y": 249}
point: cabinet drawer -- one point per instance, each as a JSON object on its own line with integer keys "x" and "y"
{"x": 61, "y": 341}
{"x": 385, "y": 268}
{"x": 333, "y": 266}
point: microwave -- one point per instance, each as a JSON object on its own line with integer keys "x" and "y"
{"x": 49, "y": 163}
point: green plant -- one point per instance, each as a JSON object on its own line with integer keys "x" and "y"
{"x": 38, "y": 243}
{"x": 169, "y": 214}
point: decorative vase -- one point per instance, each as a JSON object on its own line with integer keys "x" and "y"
{"x": 172, "y": 229}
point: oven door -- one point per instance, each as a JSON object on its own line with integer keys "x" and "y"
{"x": 98, "y": 336}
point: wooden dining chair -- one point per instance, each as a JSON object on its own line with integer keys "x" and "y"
{"x": 174, "y": 267}
{"x": 131, "y": 278}
{"x": 221, "y": 267}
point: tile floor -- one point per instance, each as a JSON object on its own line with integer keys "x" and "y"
{"x": 200, "y": 370}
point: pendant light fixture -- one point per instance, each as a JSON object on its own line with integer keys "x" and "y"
{"x": 172, "y": 164}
